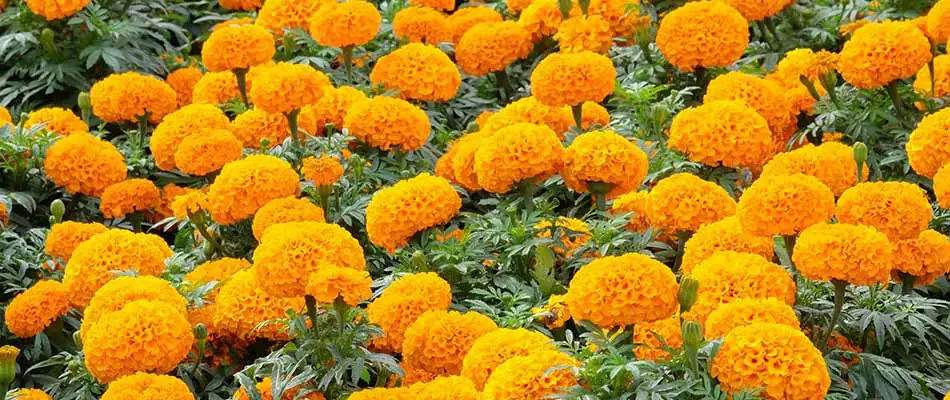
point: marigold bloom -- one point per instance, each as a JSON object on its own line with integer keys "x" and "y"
{"x": 623, "y": 290}
{"x": 800, "y": 63}
{"x": 421, "y": 24}
{"x": 832, "y": 163}
{"x": 286, "y": 87}
{"x": 724, "y": 132}
{"x": 465, "y": 18}
{"x": 265, "y": 388}
{"x": 189, "y": 120}
{"x": 439, "y": 340}
{"x": 323, "y": 171}
{"x": 857, "y": 254}
{"x": 216, "y": 88}
{"x": 445, "y": 5}
{"x": 492, "y": 46}
{"x": 594, "y": 115}
{"x": 32, "y": 311}
{"x": 246, "y": 185}
{"x": 580, "y": 33}
{"x": 63, "y": 237}
{"x": 683, "y": 202}
{"x": 396, "y": 213}
{"x": 688, "y": 40}
{"x": 116, "y": 294}
{"x": 633, "y": 202}
{"x": 402, "y": 303}
{"x": 241, "y": 306}
{"x": 652, "y": 348}
{"x": 942, "y": 186}
{"x": 767, "y": 98}
{"x": 517, "y": 6}
{"x": 534, "y": 376}
{"x": 277, "y": 15}
{"x": 784, "y": 205}
{"x": 128, "y": 96}
{"x": 494, "y": 348}
{"x": 938, "y": 21}
{"x": 255, "y": 125}
{"x": 56, "y": 119}
{"x": 604, "y": 156}
{"x": 397, "y": 393}
{"x": 570, "y": 79}
{"x": 207, "y": 152}
{"x": 347, "y": 24}
{"x": 542, "y": 17}
{"x": 216, "y": 270}
{"x": 727, "y": 276}
{"x": 725, "y": 234}
{"x": 758, "y": 10}
{"x": 462, "y": 156}
{"x": 330, "y": 282}
{"x": 142, "y": 386}
{"x": 95, "y": 260}
{"x": 385, "y": 122}
{"x": 622, "y": 15}
{"x": 83, "y": 163}
{"x": 53, "y": 10}
{"x": 286, "y": 209}
{"x": 30, "y": 394}
{"x": 410, "y": 70}
{"x": 941, "y": 84}
{"x": 928, "y": 147}
{"x": 330, "y": 109}
{"x": 129, "y": 196}
{"x": 882, "y": 52}
{"x": 445, "y": 388}
{"x": 744, "y": 312}
{"x": 899, "y": 210}
{"x": 519, "y": 152}
{"x": 574, "y": 233}
{"x": 237, "y": 47}
{"x": 189, "y": 203}
{"x": 243, "y": 5}
{"x": 529, "y": 109}
{"x": 926, "y": 257}
{"x": 5, "y": 118}
{"x": 183, "y": 81}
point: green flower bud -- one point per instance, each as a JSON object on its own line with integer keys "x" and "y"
{"x": 860, "y": 153}
{"x": 8, "y": 355}
{"x": 77, "y": 340}
{"x": 201, "y": 331}
{"x": 419, "y": 261}
{"x": 57, "y": 209}
{"x": 84, "y": 102}
{"x": 689, "y": 289}
{"x": 692, "y": 334}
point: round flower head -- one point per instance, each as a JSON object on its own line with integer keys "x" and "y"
{"x": 409, "y": 70}
{"x": 63, "y": 237}
{"x": 529, "y": 109}
{"x": 832, "y": 163}
{"x": 941, "y": 86}
{"x": 622, "y": 15}
{"x": 727, "y": 276}
{"x": 217, "y": 270}
{"x": 689, "y": 41}
{"x": 881, "y": 52}
{"x": 266, "y": 389}
{"x": 517, "y": 6}
{"x": 116, "y": 294}
{"x": 396, "y": 213}
{"x": 784, "y": 205}
{"x": 32, "y": 311}
{"x": 215, "y": 88}
{"x": 402, "y": 303}
{"x": 580, "y": 33}
{"x": 793, "y": 367}
{"x": 648, "y": 336}
{"x": 421, "y": 24}
{"x": 633, "y": 202}
{"x": 142, "y": 386}
{"x": 724, "y": 132}
{"x": 942, "y": 186}
{"x": 385, "y": 122}
{"x": 255, "y": 125}
{"x": 439, "y": 340}
{"x": 899, "y": 210}
{"x": 463, "y": 159}
{"x": 606, "y": 157}
{"x": 926, "y": 257}
{"x": 757, "y": 10}
{"x": 246, "y": 185}
{"x": 465, "y": 18}
{"x": 623, "y": 290}
{"x": 29, "y": 394}
{"x": 128, "y": 96}
{"x": 189, "y": 203}
{"x": 243, "y": 5}
{"x": 725, "y": 234}
{"x": 129, "y": 196}
{"x": 542, "y": 18}
{"x": 347, "y": 24}
{"x": 938, "y": 21}
{"x": 286, "y": 209}
{"x": 207, "y": 152}
{"x": 445, "y": 388}
{"x": 396, "y": 393}
{"x": 492, "y": 46}
{"x": 571, "y": 79}
{"x": 928, "y": 147}
{"x": 574, "y": 233}
{"x": 56, "y": 119}
{"x": 767, "y": 98}
{"x": 52, "y": 10}
{"x": 445, "y": 5}
{"x": 857, "y": 254}
{"x": 323, "y": 171}
{"x": 330, "y": 282}
{"x": 494, "y": 348}
{"x": 183, "y": 81}
{"x": 83, "y": 163}
{"x": 5, "y": 118}
{"x": 95, "y": 261}
{"x": 291, "y": 251}
{"x": 330, "y": 109}
{"x": 594, "y": 115}
{"x": 286, "y": 87}
{"x": 683, "y": 202}
{"x": 277, "y": 15}
{"x": 800, "y": 63}
{"x": 189, "y": 120}
{"x": 237, "y": 47}
{"x": 517, "y": 153}
{"x": 744, "y": 312}
{"x": 240, "y": 307}
{"x": 537, "y": 375}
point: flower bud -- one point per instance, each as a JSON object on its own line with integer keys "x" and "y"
{"x": 689, "y": 289}
{"x": 692, "y": 333}
{"x": 419, "y": 261}
{"x": 84, "y": 102}
{"x": 860, "y": 153}
{"x": 8, "y": 355}
{"x": 77, "y": 339}
{"x": 201, "y": 331}
{"x": 565, "y": 7}
{"x": 57, "y": 209}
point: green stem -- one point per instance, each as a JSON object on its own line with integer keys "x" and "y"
{"x": 528, "y": 188}
{"x": 645, "y": 50}
{"x": 311, "y": 311}
{"x": 136, "y": 219}
{"x": 789, "y": 247}
{"x": 896, "y": 99}
{"x": 770, "y": 25}
{"x": 241, "y": 75}
{"x": 200, "y": 356}
{"x": 339, "y": 306}
{"x": 765, "y": 34}
{"x": 907, "y": 283}
{"x": 681, "y": 238}
{"x": 840, "y": 287}
{"x": 505, "y": 91}
{"x": 933, "y": 81}
{"x": 577, "y": 111}
{"x": 324, "y": 192}
{"x": 348, "y": 62}
{"x": 200, "y": 224}
{"x": 139, "y": 138}
{"x": 294, "y": 130}
{"x": 599, "y": 191}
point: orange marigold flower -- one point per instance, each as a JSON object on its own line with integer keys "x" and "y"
{"x": 463, "y": 159}
{"x": 604, "y": 157}
{"x": 63, "y": 237}
{"x": 899, "y": 210}
{"x": 832, "y": 163}
{"x": 767, "y": 98}
{"x": 574, "y": 233}
{"x": 266, "y": 390}
{"x": 439, "y": 340}
{"x": 95, "y": 261}
{"x": 942, "y": 186}
{"x": 492, "y": 46}
{"x": 857, "y": 254}
{"x": 928, "y": 147}
{"x": 183, "y": 81}
{"x": 537, "y": 375}
{"x": 529, "y": 109}
{"x": 445, "y": 388}
{"x": 623, "y": 290}
{"x": 941, "y": 85}
{"x": 255, "y": 125}
{"x": 784, "y": 205}
{"x": 555, "y": 312}
{"x": 32, "y": 311}
{"x": 517, "y": 6}
{"x": 622, "y": 15}
{"x": 190, "y": 120}
{"x": 594, "y": 115}
{"x": 56, "y": 119}
{"x": 517, "y": 153}
{"x": 800, "y": 63}
{"x": 494, "y": 348}
{"x": 410, "y": 68}
{"x": 396, "y": 213}
{"x": 237, "y": 47}
{"x": 421, "y": 24}
{"x": 542, "y": 17}
{"x": 83, "y": 163}
{"x": 688, "y": 40}
{"x": 648, "y": 337}
{"x": 758, "y": 10}
{"x": 5, "y": 118}
{"x": 926, "y": 257}
{"x": 744, "y": 312}
{"x": 725, "y": 234}
{"x": 802, "y": 373}
{"x": 216, "y": 270}
{"x": 347, "y": 24}
{"x": 241, "y": 309}
{"x": 286, "y": 87}
{"x": 142, "y": 386}
{"x": 882, "y": 52}
{"x": 727, "y": 276}
{"x": 52, "y": 10}
{"x": 385, "y": 122}
{"x": 286, "y": 209}
{"x": 215, "y": 88}
{"x": 243, "y": 5}
{"x": 330, "y": 282}
{"x": 724, "y": 132}
{"x": 633, "y": 202}
{"x": 189, "y": 203}
{"x": 116, "y": 294}
{"x": 397, "y": 393}
{"x": 938, "y": 21}
{"x": 244, "y": 186}
{"x": 207, "y": 152}
{"x": 30, "y": 394}
{"x": 465, "y": 18}
{"x": 402, "y": 303}
{"x": 128, "y": 96}
{"x": 580, "y": 33}
{"x": 570, "y": 79}
{"x": 322, "y": 171}
{"x": 446, "y": 5}
{"x": 330, "y": 109}
{"x": 277, "y": 15}
{"x": 683, "y": 202}
{"x": 129, "y": 196}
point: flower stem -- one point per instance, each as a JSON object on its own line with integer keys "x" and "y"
{"x": 770, "y": 25}
{"x": 324, "y": 192}
{"x": 896, "y": 99}
{"x": 578, "y": 111}
{"x": 241, "y": 75}
{"x": 907, "y": 283}
{"x": 339, "y": 306}
{"x": 599, "y": 191}
{"x": 528, "y": 188}
{"x": 348, "y": 62}
{"x": 200, "y": 224}
{"x": 840, "y": 287}
{"x": 139, "y": 138}
{"x": 311, "y": 311}
{"x": 681, "y": 238}
{"x": 294, "y": 130}
{"x": 505, "y": 91}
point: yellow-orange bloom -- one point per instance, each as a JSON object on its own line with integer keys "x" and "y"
{"x": 241, "y": 309}
{"x": 689, "y": 41}
{"x": 515, "y": 154}
{"x": 83, "y": 163}
{"x": 116, "y": 294}
{"x": 286, "y": 87}
{"x": 385, "y": 122}
{"x": 538, "y": 375}
{"x": 494, "y": 348}
{"x": 183, "y": 81}
{"x": 517, "y": 6}
{"x": 63, "y": 237}
{"x": 882, "y": 52}
{"x": 529, "y": 109}
{"x": 574, "y": 233}
{"x": 347, "y": 24}
{"x": 800, "y": 63}
{"x": 255, "y": 125}
{"x": 330, "y": 109}
{"x": 542, "y": 17}
{"x": 857, "y": 254}
{"x": 570, "y": 79}
{"x": 53, "y": 10}
{"x": 744, "y": 312}
{"x": 216, "y": 88}
{"x": 580, "y": 33}
{"x": 941, "y": 84}
{"x": 141, "y": 386}
{"x": 926, "y": 257}
{"x": 243, "y": 5}
{"x": 207, "y": 152}
{"x": 189, "y": 203}
{"x": 899, "y": 210}
{"x": 832, "y": 163}
{"x": 727, "y": 276}
{"x": 758, "y": 10}
{"x": 322, "y": 171}
{"x": 928, "y": 147}
{"x": 465, "y": 18}
{"x": 237, "y": 47}
{"x": 767, "y": 98}
{"x": 128, "y": 96}
{"x": 784, "y": 205}
{"x": 5, "y": 118}
{"x": 439, "y": 340}
{"x": 265, "y": 388}
{"x": 421, "y": 24}
{"x": 56, "y": 119}
{"x": 95, "y": 261}
{"x": 622, "y": 15}
{"x": 724, "y": 132}
{"x": 938, "y": 21}
{"x": 942, "y": 186}
{"x": 726, "y": 234}
{"x": 396, "y": 213}
{"x": 129, "y": 196}
{"x": 190, "y": 120}
{"x": 32, "y": 311}
{"x": 277, "y": 15}
{"x": 330, "y": 282}
{"x": 492, "y": 46}
{"x": 683, "y": 202}
{"x": 648, "y": 335}
{"x": 30, "y": 394}
{"x": 419, "y": 72}
{"x": 287, "y": 209}
{"x": 446, "y": 5}
{"x": 604, "y": 157}
{"x": 244, "y": 186}
{"x": 633, "y": 202}
{"x": 402, "y": 303}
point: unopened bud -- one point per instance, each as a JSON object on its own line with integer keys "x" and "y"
{"x": 84, "y": 102}
{"x": 419, "y": 261}
{"x": 689, "y": 289}
{"x": 201, "y": 331}
{"x": 57, "y": 209}
{"x": 77, "y": 339}
{"x": 8, "y": 355}
{"x": 692, "y": 333}
{"x": 860, "y": 153}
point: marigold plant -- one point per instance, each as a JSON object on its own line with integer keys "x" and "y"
{"x": 784, "y": 205}
{"x": 758, "y": 10}
{"x": 517, "y": 153}
{"x": 256, "y": 125}
{"x": 385, "y": 122}
{"x": 285, "y": 209}
{"x": 403, "y": 302}
{"x": 725, "y": 234}
{"x": 534, "y": 376}
{"x": 942, "y": 186}
{"x": 322, "y": 171}
{"x": 925, "y": 257}
{"x": 347, "y": 24}
{"x": 183, "y": 81}
{"x": 623, "y": 290}
{"x": 116, "y": 294}
{"x": 266, "y": 388}
{"x": 53, "y": 10}
{"x": 727, "y": 276}
{"x": 857, "y": 254}
{"x": 421, "y": 24}
{"x": 410, "y": 68}
{"x": 529, "y": 109}
{"x": 882, "y": 52}
{"x": 141, "y": 386}
{"x": 492, "y": 46}
{"x": 32, "y": 311}
{"x": 928, "y": 147}
{"x": 445, "y": 388}
{"x": 767, "y": 98}
{"x": 605, "y": 157}
{"x": 56, "y": 119}
{"x": 570, "y": 79}
{"x": 573, "y": 233}
{"x": 189, "y": 120}
{"x": 30, "y": 394}
{"x": 128, "y": 96}
{"x": 938, "y": 21}
{"x": 724, "y": 132}
{"x": 330, "y": 109}
{"x": 438, "y": 340}
{"x": 129, "y": 196}
{"x": 634, "y": 202}
{"x": 683, "y": 202}
{"x": 287, "y": 87}
{"x": 244, "y": 5}
{"x": 689, "y": 41}
{"x": 542, "y": 17}
{"x": 277, "y": 15}
{"x": 216, "y": 88}
{"x": 899, "y": 210}
{"x": 237, "y": 47}
{"x": 246, "y": 185}
{"x": 396, "y": 213}
{"x": 800, "y": 63}
{"x": 83, "y": 163}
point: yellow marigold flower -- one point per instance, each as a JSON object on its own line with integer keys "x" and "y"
{"x": 421, "y": 24}
{"x": 56, "y": 119}
{"x": 570, "y": 79}
{"x": 926, "y": 257}
{"x": 727, "y": 276}
{"x": 784, "y": 205}
{"x": 286, "y": 209}
{"x": 129, "y": 196}
{"x": 241, "y": 305}
{"x": 410, "y": 70}
{"x": 216, "y": 270}
{"x": 725, "y": 132}
{"x": 652, "y": 348}
{"x": 938, "y": 21}
{"x": 63, "y": 237}
{"x": 330, "y": 109}
{"x": 580, "y": 33}
{"x": 849, "y": 28}
{"x": 743, "y": 312}
{"x": 492, "y": 46}
{"x": 128, "y": 96}
{"x": 396, "y": 213}
{"x": 142, "y": 386}
{"x": 322, "y": 171}
{"x": 29, "y": 394}
{"x": 246, "y": 185}
{"x": 758, "y": 10}
{"x": 574, "y": 233}
{"x": 622, "y": 15}
{"x": 542, "y": 17}
{"x": 529, "y": 109}
{"x": 277, "y": 15}
{"x": 928, "y": 147}
{"x": 189, "y": 203}
{"x": 445, "y": 388}
{"x": 604, "y": 156}
{"x": 899, "y": 210}
{"x": 237, "y": 47}
{"x": 265, "y": 388}
{"x": 183, "y": 81}
{"x": 462, "y": 156}
{"x": 52, "y": 10}
{"x": 445, "y": 5}
{"x": 243, "y": 5}
{"x": 517, "y": 6}
{"x": 594, "y": 115}
{"x": 83, "y": 163}
{"x": 207, "y": 152}
{"x": 941, "y": 86}
{"x": 466, "y": 18}
{"x": 189, "y": 120}
{"x": 683, "y": 202}
{"x": 347, "y": 24}
{"x": 385, "y": 122}
{"x": 633, "y": 202}
{"x": 688, "y": 40}
{"x": 622, "y": 290}
{"x": 767, "y": 98}
{"x": 402, "y": 303}
{"x": 795, "y": 370}
{"x": 882, "y": 52}
{"x": 439, "y": 340}
{"x": 534, "y": 376}
{"x": 330, "y": 282}
{"x": 725, "y": 234}
{"x": 857, "y": 254}
{"x": 832, "y": 163}
{"x": 286, "y": 87}
{"x": 942, "y": 186}
{"x": 255, "y": 125}
{"x": 117, "y": 293}
{"x": 32, "y": 311}
{"x": 5, "y": 118}
{"x": 215, "y": 88}
{"x": 494, "y": 348}
{"x": 95, "y": 260}
{"x": 517, "y": 153}
{"x": 397, "y": 393}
